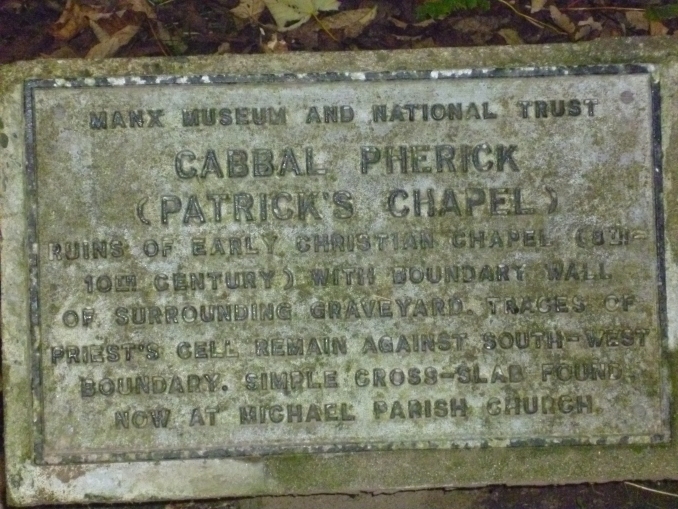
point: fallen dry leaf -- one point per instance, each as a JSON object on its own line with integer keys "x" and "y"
{"x": 352, "y": 22}
{"x": 425, "y": 23}
{"x": 275, "y": 45}
{"x": 593, "y": 24}
{"x": 582, "y": 32}
{"x": 397, "y": 22}
{"x": 657, "y": 28}
{"x": 249, "y": 9}
{"x": 638, "y": 20}
{"x": 290, "y": 14}
{"x": 562, "y": 20}
{"x": 109, "y": 47}
{"x": 587, "y": 26}
{"x": 420, "y": 24}
{"x": 139, "y": 6}
{"x": 74, "y": 19}
{"x": 537, "y": 5}
{"x": 99, "y": 32}
{"x": 510, "y": 36}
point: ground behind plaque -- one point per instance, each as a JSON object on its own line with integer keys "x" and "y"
{"x": 338, "y": 273}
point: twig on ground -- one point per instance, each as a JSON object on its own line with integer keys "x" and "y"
{"x": 652, "y": 490}
{"x": 160, "y": 44}
{"x": 532, "y": 20}
{"x": 629, "y": 9}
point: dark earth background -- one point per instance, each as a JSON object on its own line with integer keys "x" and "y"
{"x": 31, "y": 29}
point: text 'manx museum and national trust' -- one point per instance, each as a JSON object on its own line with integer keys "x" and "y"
{"x": 224, "y": 266}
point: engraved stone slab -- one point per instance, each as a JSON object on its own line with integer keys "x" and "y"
{"x": 225, "y": 266}
{"x": 231, "y": 265}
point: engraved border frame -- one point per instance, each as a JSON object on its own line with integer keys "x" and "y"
{"x": 234, "y": 79}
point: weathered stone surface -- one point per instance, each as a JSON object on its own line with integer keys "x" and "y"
{"x": 307, "y": 274}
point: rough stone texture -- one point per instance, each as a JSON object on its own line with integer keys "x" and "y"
{"x": 520, "y": 193}
{"x": 29, "y": 483}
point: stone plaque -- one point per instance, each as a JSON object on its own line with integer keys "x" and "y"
{"x": 316, "y": 274}
{"x": 251, "y": 265}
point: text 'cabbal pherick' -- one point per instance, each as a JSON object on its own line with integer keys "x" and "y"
{"x": 266, "y": 162}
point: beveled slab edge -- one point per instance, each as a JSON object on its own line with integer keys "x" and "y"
{"x": 29, "y": 484}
